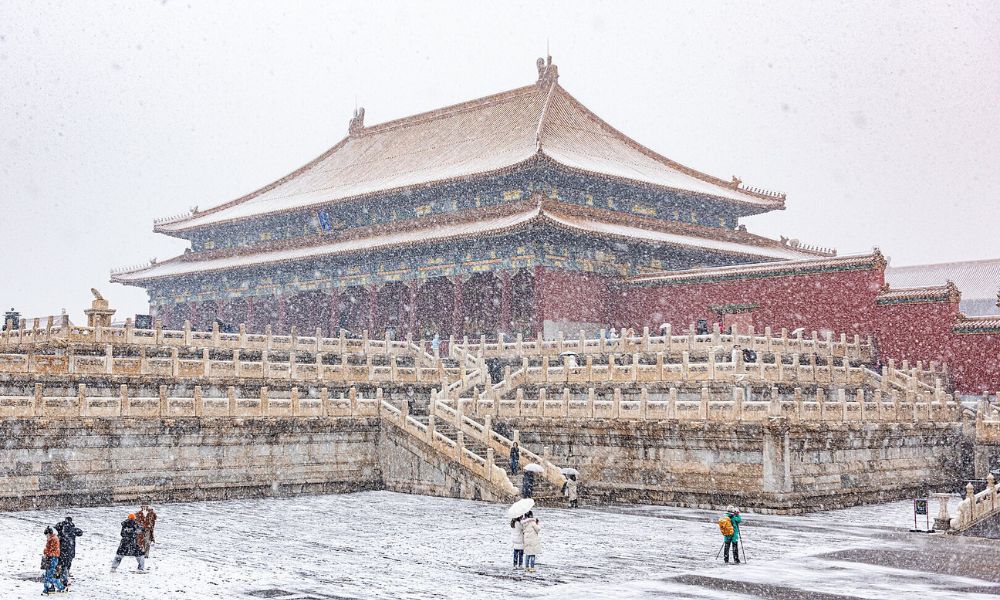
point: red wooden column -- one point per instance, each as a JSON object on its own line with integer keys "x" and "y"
{"x": 372, "y": 305}
{"x": 538, "y": 305}
{"x": 223, "y": 311}
{"x": 506, "y": 302}
{"x": 458, "y": 311}
{"x": 162, "y": 314}
{"x": 249, "y": 317}
{"x": 193, "y": 314}
{"x": 282, "y": 312}
{"x": 334, "y": 311}
{"x": 411, "y": 323}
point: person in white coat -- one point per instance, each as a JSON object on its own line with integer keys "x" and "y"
{"x": 571, "y": 491}
{"x": 532, "y": 541}
{"x": 517, "y": 540}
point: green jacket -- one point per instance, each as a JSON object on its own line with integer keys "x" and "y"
{"x": 735, "y": 520}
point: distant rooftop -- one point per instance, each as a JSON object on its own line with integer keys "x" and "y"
{"x": 977, "y": 280}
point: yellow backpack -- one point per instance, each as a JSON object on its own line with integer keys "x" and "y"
{"x": 726, "y": 526}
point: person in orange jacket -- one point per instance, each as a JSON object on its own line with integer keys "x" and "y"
{"x": 52, "y": 558}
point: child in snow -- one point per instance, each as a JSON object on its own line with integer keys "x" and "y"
{"x": 517, "y": 539}
{"x": 730, "y": 527}
{"x": 531, "y": 540}
{"x": 51, "y": 562}
{"x": 129, "y": 545}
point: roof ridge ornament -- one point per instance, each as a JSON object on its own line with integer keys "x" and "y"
{"x": 357, "y": 124}
{"x": 548, "y": 73}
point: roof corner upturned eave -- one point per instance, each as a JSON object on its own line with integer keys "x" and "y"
{"x": 758, "y": 202}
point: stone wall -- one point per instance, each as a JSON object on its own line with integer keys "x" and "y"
{"x": 783, "y": 467}
{"x": 65, "y": 462}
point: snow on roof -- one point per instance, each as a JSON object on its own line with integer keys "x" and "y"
{"x": 768, "y": 269}
{"x": 179, "y": 266}
{"x": 977, "y": 279}
{"x": 478, "y": 137}
{"x": 189, "y": 264}
{"x": 662, "y": 237}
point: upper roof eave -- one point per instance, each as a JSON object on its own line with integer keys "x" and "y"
{"x": 756, "y": 201}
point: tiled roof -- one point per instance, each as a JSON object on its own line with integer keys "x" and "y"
{"x": 476, "y": 223}
{"x": 488, "y": 135}
{"x": 936, "y": 293}
{"x": 979, "y": 281}
{"x": 800, "y": 266}
{"x": 989, "y": 324}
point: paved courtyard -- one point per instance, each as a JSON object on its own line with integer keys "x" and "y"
{"x": 387, "y": 545}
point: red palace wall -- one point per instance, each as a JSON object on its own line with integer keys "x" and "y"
{"x": 573, "y": 296}
{"x": 923, "y": 331}
{"x": 844, "y": 302}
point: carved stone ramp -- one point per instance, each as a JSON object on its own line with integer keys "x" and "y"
{"x": 417, "y": 458}
{"x": 548, "y": 484}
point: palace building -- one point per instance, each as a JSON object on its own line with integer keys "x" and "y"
{"x": 525, "y": 213}
{"x": 479, "y": 218}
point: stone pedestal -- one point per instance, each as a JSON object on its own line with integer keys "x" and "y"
{"x": 943, "y": 520}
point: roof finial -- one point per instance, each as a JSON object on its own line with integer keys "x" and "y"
{"x": 357, "y": 124}
{"x": 548, "y": 73}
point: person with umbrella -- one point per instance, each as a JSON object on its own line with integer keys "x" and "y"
{"x": 569, "y": 488}
{"x": 528, "y": 481}
{"x": 516, "y": 514}
{"x": 532, "y": 540}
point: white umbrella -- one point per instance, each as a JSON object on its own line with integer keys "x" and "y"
{"x": 520, "y": 508}
{"x": 569, "y": 471}
{"x": 534, "y": 468}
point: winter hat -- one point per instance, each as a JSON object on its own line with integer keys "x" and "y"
{"x": 131, "y": 517}
{"x": 732, "y": 509}
{"x": 48, "y": 530}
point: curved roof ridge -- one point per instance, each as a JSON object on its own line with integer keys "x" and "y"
{"x": 775, "y": 198}
{"x": 540, "y": 130}
{"x": 274, "y": 184}
{"x": 446, "y": 111}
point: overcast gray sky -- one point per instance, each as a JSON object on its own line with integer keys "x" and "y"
{"x": 878, "y": 119}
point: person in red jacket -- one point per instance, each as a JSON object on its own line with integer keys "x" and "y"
{"x": 52, "y": 558}
{"x": 146, "y": 518}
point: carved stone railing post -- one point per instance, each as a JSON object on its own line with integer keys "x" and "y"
{"x": 231, "y": 396}
{"x": 123, "y": 403}
{"x": 164, "y": 408}
{"x": 199, "y": 401}
{"x": 672, "y": 403}
{"x": 265, "y": 402}
{"x": 296, "y": 402}
{"x": 324, "y": 401}
{"x": 38, "y": 402}
{"x": 206, "y": 365}
{"x": 703, "y": 408}
{"x": 109, "y": 359}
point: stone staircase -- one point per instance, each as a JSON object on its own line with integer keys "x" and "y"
{"x": 480, "y": 438}
{"x": 452, "y": 445}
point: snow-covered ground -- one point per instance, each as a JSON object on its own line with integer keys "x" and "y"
{"x": 386, "y": 545}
